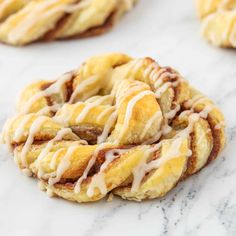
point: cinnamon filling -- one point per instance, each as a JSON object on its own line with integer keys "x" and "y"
{"x": 88, "y": 133}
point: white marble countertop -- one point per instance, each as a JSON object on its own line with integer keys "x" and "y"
{"x": 205, "y": 204}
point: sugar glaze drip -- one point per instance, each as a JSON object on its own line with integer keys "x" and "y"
{"x": 98, "y": 180}
{"x": 55, "y": 88}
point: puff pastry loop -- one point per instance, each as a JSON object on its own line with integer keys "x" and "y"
{"x": 117, "y": 124}
{"x": 25, "y": 21}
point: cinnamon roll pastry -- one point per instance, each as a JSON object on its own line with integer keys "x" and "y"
{"x": 26, "y": 21}
{"x": 116, "y": 125}
{"x": 218, "y": 21}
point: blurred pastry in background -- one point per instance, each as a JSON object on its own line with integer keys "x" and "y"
{"x": 26, "y": 21}
{"x": 218, "y": 21}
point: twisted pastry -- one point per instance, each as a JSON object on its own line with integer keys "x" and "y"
{"x": 218, "y": 21}
{"x": 27, "y": 21}
{"x": 116, "y": 125}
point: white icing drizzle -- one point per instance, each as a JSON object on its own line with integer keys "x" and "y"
{"x": 70, "y": 8}
{"x": 88, "y": 107}
{"x": 103, "y": 113}
{"x": 53, "y": 89}
{"x": 171, "y": 114}
{"x": 104, "y": 100}
{"x": 162, "y": 89}
{"x": 63, "y": 165}
{"x": 139, "y": 172}
{"x": 124, "y": 94}
{"x": 173, "y": 152}
{"x": 81, "y": 88}
{"x": 66, "y": 113}
{"x": 196, "y": 100}
{"x": 157, "y": 78}
{"x": 107, "y": 128}
{"x": 53, "y": 161}
{"x": 219, "y": 125}
{"x": 205, "y": 112}
{"x": 161, "y": 75}
{"x": 156, "y": 117}
{"x": 166, "y": 129}
{"x": 20, "y": 129}
{"x": 98, "y": 180}
{"x": 151, "y": 69}
{"x": 192, "y": 119}
{"x": 31, "y": 101}
{"x": 47, "y": 109}
{"x": 34, "y": 129}
{"x": 203, "y": 136}
{"x": 136, "y": 65}
{"x": 153, "y": 139}
{"x": 89, "y": 166}
{"x": 61, "y": 133}
{"x": 129, "y": 109}
{"x": 185, "y": 113}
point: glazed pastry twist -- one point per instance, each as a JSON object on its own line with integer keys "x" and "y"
{"x": 218, "y": 21}
{"x": 116, "y": 125}
{"x": 27, "y": 21}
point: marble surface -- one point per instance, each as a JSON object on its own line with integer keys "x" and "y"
{"x": 205, "y": 204}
